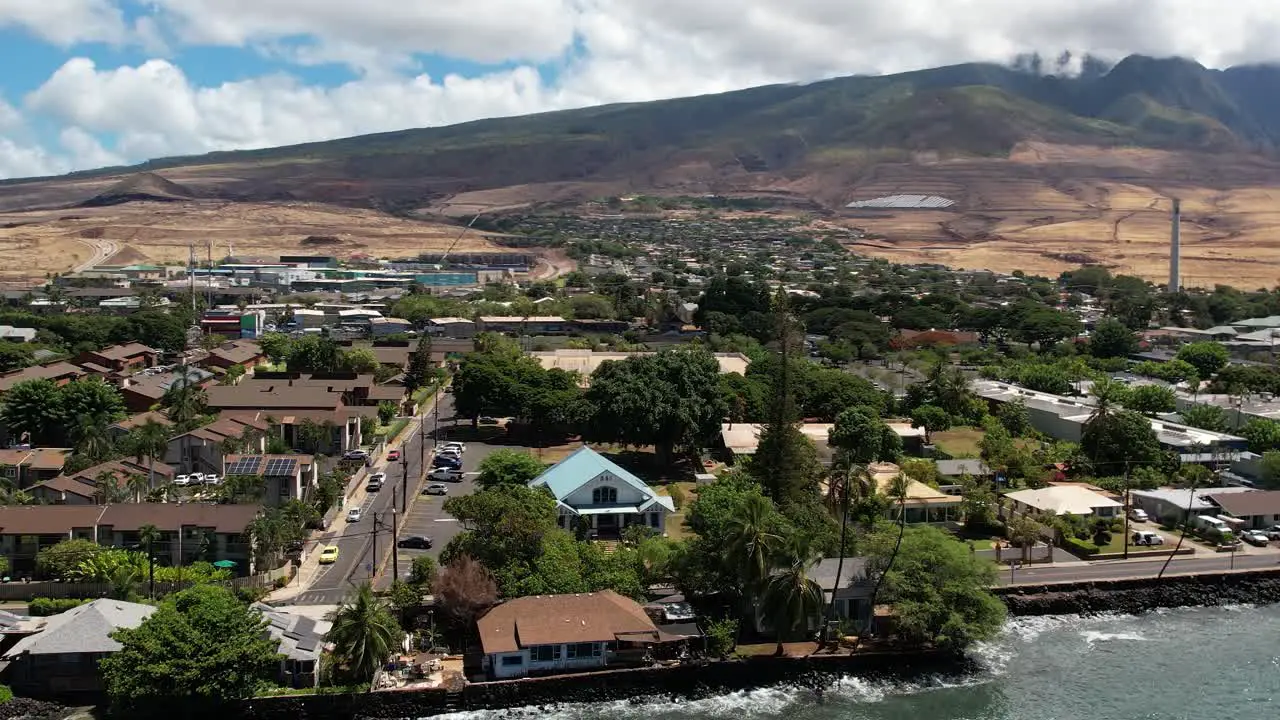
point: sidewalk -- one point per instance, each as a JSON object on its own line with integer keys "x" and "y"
{"x": 354, "y": 497}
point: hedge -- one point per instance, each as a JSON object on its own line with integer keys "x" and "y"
{"x": 1081, "y": 547}
{"x": 44, "y": 607}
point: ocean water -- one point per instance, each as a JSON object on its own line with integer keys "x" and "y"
{"x": 1204, "y": 663}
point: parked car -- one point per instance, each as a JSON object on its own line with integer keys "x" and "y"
{"x": 1146, "y": 537}
{"x": 486, "y": 420}
{"x": 196, "y": 478}
{"x": 329, "y": 555}
{"x": 1273, "y": 532}
{"x": 212, "y": 479}
{"x": 355, "y": 455}
{"x": 671, "y": 612}
{"x": 455, "y": 445}
{"x": 354, "y": 515}
{"x": 446, "y": 450}
{"x": 446, "y": 474}
{"x": 1138, "y": 515}
{"x": 415, "y": 542}
{"x": 1255, "y": 537}
{"x": 393, "y": 455}
{"x": 446, "y": 461}
{"x": 375, "y": 482}
{"x": 436, "y": 489}
{"x": 182, "y": 480}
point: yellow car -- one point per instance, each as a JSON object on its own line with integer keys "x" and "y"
{"x": 329, "y": 555}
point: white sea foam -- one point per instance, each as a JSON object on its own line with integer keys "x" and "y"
{"x": 1093, "y": 636}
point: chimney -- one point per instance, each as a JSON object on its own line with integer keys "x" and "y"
{"x": 1175, "y": 248}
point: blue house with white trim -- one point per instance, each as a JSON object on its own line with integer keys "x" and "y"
{"x": 588, "y": 485}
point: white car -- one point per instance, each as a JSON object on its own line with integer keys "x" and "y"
{"x": 451, "y": 451}
{"x": 1138, "y": 515}
{"x": 197, "y": 478}
{"x": 444, "y": 473}
{"x": 454, "y": 445}
{"x": 182, "y": 480}
{"x": 354, "y": 515}
{"x": 212, "y": 479}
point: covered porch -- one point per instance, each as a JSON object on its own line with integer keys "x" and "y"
{"x": 607, "y": 523}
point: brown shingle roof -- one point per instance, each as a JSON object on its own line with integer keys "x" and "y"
{"x": 64, "y": 484}
{"x": 47, "y": 519}
{"x": 124, "y": 352}
{"x": 141, "y": 419}
{"x": 38, "y": 458}
{"x": 553, "y": 619}
{"x": 168, "y": 516}
{"x": 53, "y": 371}
{"x": 271, "y": 395}
{"x": 1245, "y": 504}
{"x": 237, "y": 352}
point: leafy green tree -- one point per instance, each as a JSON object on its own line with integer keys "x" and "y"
{"x": 1151, "y": 399}
{"x": 1112, "y": 339}
{"x": 358, "y": 360}
{"x": 1045, "y": 378}
{"x": 149, "y": 442}
{"x": 1206, "y": 357}
{"x": 752, "y": 542}
{"x": 508, "y": 467}
{"x": 791, "y": 597}
{"x": 1045, "y": 325}
{"x": 423, "y": 571}
{"x": 64, "y": 558}
{"x": 92, "y": 441}
{"x": 1269, "y": 470}
{"x": 932, "y": 418}
{"x": 864, "y": 437}
{"x": 504, "y": 526}
{"x": 938, "y": 589}
{"x": 744, "y": 397}
{"x": 33, "y": 408}
{"x": 313, "y": 353}
{"x": 93, "y": 398}
{"x": 276, "y": 346}
{"x": 1015, "y": 418}
{"x": 977, "y": 503}
{"x": 364, "y": 634}
{"x": 670, "y": 400}
{"x": 1111, "y": 441}
{"x": 185, "y": 403}
{"x": 387, "y": 411}
{"x": 14, "y": 356}
{"x": 199, "y": 654}
{"x": 1263, "y": 435}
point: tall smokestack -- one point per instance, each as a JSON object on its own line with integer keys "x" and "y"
{"x": 1175, "y": 248}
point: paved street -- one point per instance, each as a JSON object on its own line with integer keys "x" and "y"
{"x": 427, "y": 516}
{"x": 356, "y": 543}
{"x": 1202, "y": 561}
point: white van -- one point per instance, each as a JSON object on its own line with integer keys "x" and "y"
{"x": 1209, "y": 522}
{"x": 1146, "y": 537}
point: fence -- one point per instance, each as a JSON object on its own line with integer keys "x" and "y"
{"x": 39, "y": 588}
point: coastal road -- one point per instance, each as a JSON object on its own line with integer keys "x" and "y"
{"x": 1133, "y": 569}
{"x": 356, "y": 557}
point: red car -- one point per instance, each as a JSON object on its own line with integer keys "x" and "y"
{"x": 393, "y": 455}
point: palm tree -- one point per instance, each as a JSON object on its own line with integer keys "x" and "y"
{"x": 751, "y": 543}
{"x": 150, "y": 442}
{"x": 364, "y": 633}
{"x": 899, "y": 489}
{"x": 1107, "y": 395}
{"x": 791, "y": 598}
{"x": 848, "y": 483}
{"x": 107, "y": 488}
{"x": 92, "y": 439}
{"x": 149, "y": 535}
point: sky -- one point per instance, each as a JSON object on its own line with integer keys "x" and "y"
{"x": 88, "y": 83}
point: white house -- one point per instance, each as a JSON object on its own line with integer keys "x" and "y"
{"x": 588, "y": 485}
{"x": 1065, "y": 500}
{"x": 384, "y": 326}
{"x": 563, "y": 633}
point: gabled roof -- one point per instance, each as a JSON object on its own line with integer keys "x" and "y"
{"x": 556, "y": 619}
{"x": 83, "y": 629}
{"x": 584, "y": 464}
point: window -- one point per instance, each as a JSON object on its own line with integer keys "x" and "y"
{"x": 582, "y": 650}
{"x": 544, "y": 653}
{"x": 512, "y": 659}
{"x": 604, "y": 495}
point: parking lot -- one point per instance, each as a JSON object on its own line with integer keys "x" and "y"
{"x": 427, "y": 517}
{"x": 1202, "y": 548}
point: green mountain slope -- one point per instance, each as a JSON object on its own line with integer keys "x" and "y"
{"x": 960, "y": 110}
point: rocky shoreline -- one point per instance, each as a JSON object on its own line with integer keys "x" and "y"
{"x": 1143, "y": 595}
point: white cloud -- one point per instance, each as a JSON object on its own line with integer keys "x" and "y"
{"x": 66, "y": 22}
{"x": 9, "y": 117}
{"x": 20, "y": 160}
{"x": 604, "y": 51}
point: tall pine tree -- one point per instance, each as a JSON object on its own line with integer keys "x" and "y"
{"x": 421, "y": 368}
{"x": 785, "y": 462}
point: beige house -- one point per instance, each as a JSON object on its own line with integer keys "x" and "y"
{"x": 924, "y": 504}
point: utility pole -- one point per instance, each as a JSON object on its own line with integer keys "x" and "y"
{"x": 404, "y": 484}
{"x": 151, "y": 570}
{"x": 395, "y": 541}
{"x": 1126, "y": 509}
{"x": 377, "y": 526}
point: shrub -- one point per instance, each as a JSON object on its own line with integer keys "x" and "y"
{"x": 1080, "y": 547}
{"x": 5, "y": 694}
{"x": 280, "y": 582}
{"x": 721, "y": 637}
{"x": 44, "y": 607}
{"x": 677, "y": 496}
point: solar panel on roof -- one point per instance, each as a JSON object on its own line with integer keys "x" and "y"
{"x": 309, "y": 644}
{"x": 281, "y": 466}
{"x": 244, "y": 466}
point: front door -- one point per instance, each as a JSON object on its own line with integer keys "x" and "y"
{"x": 607, "y": 526}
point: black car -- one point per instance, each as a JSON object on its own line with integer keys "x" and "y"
{"x": 415, "y": 542}
{"x": 446, "y": 462}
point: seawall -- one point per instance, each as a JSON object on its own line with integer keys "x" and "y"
{"x": 1138, "y": 595}
{"x": 676, "y": 682}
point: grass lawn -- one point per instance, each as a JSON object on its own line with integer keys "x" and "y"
{"x": 959, "y": 442}
{"x": 676, "y": 528}
{"x": 391, "y": 431}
